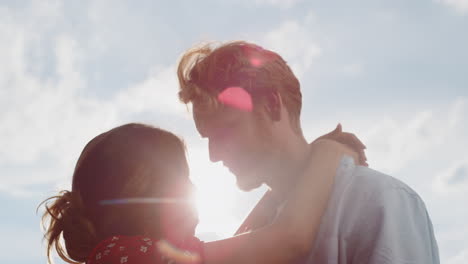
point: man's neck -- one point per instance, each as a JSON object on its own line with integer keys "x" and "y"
{"x": 290, "y": 163}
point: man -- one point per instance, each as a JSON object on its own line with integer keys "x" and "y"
{"x": 247, "y": 103}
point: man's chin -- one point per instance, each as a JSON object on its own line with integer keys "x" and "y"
{"x": 248, "y": 186}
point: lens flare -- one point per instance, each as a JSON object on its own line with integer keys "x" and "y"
{"x": 141, "y": 200}
{"x": 178, "y": 255}
{"x": 236, "y": 97}
{"x": 256, "y": 62}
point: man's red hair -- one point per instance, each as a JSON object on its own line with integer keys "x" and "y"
{"x": 205, "y": 71}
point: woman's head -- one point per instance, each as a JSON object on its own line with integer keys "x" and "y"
{"x": 130, "y": 161}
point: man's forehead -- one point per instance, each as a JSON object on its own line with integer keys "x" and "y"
{"x": 209, "y": 118}
{"x": 205, "y": 116}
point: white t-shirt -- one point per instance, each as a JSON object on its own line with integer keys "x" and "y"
{"x": 373, "y": 218}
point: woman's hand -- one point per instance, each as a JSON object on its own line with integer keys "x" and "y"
{"x": 169, "y": 253}
{"x": 356, "y": 147}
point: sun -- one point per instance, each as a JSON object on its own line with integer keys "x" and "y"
{"x": 215, "y": 201}
{"x": 220, "y": 204}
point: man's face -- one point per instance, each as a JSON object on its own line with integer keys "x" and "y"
{"x": 240, "y": 139}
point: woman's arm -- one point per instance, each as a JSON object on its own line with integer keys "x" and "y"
{"x": 292, "y": 233}
{"x": 307, "y": 203}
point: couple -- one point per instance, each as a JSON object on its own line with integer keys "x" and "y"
{"x": 130, "y": 194}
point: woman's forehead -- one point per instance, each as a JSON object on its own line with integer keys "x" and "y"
{"x": 184, "y": 187}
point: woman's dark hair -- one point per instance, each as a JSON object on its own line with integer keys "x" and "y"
{"x": 129, "y": 161}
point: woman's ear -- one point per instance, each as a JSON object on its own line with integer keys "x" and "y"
{"x": 273, "y": 105}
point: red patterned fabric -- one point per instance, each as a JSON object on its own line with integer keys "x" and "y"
{"x": 134, "y": 250}
{"x": 124, "y": 250}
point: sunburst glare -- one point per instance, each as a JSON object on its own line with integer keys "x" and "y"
{"x": 215, "y": 197}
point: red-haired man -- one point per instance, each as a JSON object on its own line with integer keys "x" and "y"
{"x": 247, "y": 103}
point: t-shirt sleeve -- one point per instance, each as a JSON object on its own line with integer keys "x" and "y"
{"x": 394, "y": 227}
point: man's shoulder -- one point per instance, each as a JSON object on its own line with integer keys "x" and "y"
{"x": 367, "y": 183}
{"x": 377, "y": 218}
{"x": 365, "y": 191}
{"x": 371, "y": 198}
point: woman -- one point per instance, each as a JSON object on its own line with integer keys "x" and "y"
{"x": 110, "y": 215}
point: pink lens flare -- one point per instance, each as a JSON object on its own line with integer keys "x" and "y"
{"x": 256, "y": 62}
{"x": 236, "y": 97}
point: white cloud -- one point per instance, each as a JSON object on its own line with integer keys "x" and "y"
{"x": 394, "y": 139}
{"x": 295, "y": 42}
{"x": 158, "y": 91}
{"x": 12, "y": 249}
{"x": 393, "y": 143}
{"x": 454, "y": 179}
{"x": 460, "y": 6}
{"x": 397, "y": 140}
{"x": 47, "y": 116}
{"x": 33, "y": 106}
{"x": 460, "y": 258}
{"x": 278, "y": 3}
{"x": 353, "y": 69}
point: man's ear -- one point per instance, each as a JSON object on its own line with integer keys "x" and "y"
{"x": 273, "y": 105}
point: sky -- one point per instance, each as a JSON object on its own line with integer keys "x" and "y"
{"x": 393, "y": 72}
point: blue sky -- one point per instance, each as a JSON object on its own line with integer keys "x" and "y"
{"x": 394, "y": 72}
